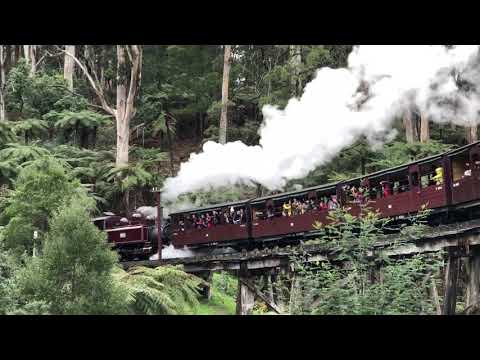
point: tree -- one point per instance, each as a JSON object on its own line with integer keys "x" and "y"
{"x": 411, "y": 126}
{"x": 74, "y": 273}
{"x": 424, "y": 128}
{"x": 296, "y": 64}
{"x": 471, "y": 133}
{"x": 31, "y": 127}
{"x": 69, "y": 65}
{"x": 30, "y": 54}
{"x": 125, "y": 98}
{"x": 226, "y": 78}
{"x": 80, "y": 123}
{"x": 3, "y": 58}
{"x": 349, "y": 282}
{"x": 40, "y": 189}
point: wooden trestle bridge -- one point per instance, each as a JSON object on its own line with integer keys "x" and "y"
{"x": 460, "y": 241}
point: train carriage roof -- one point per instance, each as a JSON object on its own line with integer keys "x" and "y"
{"x": 330, "y": 185}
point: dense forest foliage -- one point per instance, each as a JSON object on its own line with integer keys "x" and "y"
{"x": 91, "y": 128}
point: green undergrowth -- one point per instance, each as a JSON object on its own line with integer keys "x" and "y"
{"x": 222, "y": 300}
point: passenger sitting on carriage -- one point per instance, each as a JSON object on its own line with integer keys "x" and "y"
{"x": 333, "y": 203}
{"x": 362, "y": 194}
{"x": 310, "y": 205}
{"x": 200, "y": 222}
{"x": 181, "y": 225}
{"x": 303, "y": 208}
{"x": 270, "y": 213}
{"x": 236, "y": 218}
{"x": 287, "y": 208}
{"x": 438, "y": 178}
{"x": 323, "y": 204}
{"x": 216, "y": 217}
{"x": 293, "y": 205}
{"x": 354, "y": 194}
{"x": 226, "y": 218}
{"x": 468, "y": 170}
{"x": 242, "y": 216}
{"x": 209, "y": 221}
{"x": 386, "y": 188}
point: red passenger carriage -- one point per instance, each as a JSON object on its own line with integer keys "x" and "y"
{"x": 443, "y": 183}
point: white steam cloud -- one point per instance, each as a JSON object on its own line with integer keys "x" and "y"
{"x": 336, "y": 108}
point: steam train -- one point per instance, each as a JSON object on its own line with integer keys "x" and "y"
{"x": 455, "y": 194}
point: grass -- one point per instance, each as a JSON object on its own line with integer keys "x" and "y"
{"x": 223, "y": 298}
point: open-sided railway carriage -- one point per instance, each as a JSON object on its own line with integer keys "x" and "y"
{"x": 457, "y": 187}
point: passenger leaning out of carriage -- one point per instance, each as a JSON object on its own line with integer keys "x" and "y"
{"x": 287, "y": 208}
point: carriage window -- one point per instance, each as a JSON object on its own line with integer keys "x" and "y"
{"x": 476, "y": 161}
{"x": 414, "y": 178}
{"x": 460, "y": 166}
{"x": 431, "y": 174}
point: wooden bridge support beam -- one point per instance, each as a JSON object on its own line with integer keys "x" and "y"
{"x": 206, "y": 291}
{"x": 472, "y": 267}
{"x": 451, "y": 279}
{"x": 245, "y": 296}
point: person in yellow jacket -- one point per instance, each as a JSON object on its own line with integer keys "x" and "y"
{"x": 438, "y": 178}
{"x": 287, "y": 208}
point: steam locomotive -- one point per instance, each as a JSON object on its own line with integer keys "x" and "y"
{"x": 135, "y": 237}
{"x": 447, "y": 183}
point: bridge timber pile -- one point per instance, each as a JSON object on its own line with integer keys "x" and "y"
{"x": 459, "y": 240}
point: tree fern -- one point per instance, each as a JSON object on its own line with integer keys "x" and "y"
{"x": 31, "y": 127}
{"x": 6, "y": 132}
{"x": 164, "y": 290}
{"x": 18, "y": 154}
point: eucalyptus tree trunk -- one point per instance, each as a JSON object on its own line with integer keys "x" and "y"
{"x": 295, "y": 63}
{"x": 128, "y": 85}
{"x": 471, "y": 134}
{"x": 223, "y": 116}
{"x": 26, "y": 53}
{"x": 69, "y": 65}
{"x": 30, "y": 53}
{"x": 424, "y": 129}
{"x": 411, "y": 126}
{"x": 125, "y": 99}
{"x": 3, "y": 57}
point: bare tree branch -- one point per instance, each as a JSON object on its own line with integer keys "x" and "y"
{"x": 95, "y": 84}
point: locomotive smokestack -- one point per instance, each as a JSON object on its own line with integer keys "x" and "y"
{"x": 159, "y": 221}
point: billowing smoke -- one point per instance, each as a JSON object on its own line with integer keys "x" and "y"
{"x": 336, "y": 108}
